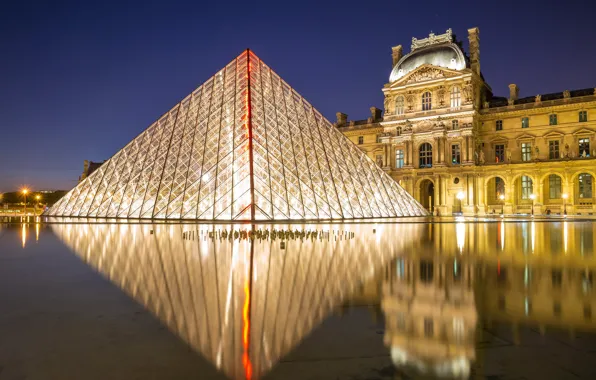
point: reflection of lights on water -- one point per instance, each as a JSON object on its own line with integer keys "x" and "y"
{"x": 502, "y": 236}
{"x": 527, "y": 306}
{"x": 460, "y": 233}
{"x": 526, "y": 276}
{"x": 565, "y": 236}
{"x": 37, "y": 231}
{"x": 533, "y": 235}
{"x": 24, "y": 235}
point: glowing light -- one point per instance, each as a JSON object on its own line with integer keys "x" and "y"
{"x": 460, "y": 233}
{"x": 246, "y": 328}
{"x": 565, "y": 236}
{"x": 502, "y": 236}
{"x": 460, "y": 195}
{"x": 502, "y": 197}
{"x": 24, "y": 235}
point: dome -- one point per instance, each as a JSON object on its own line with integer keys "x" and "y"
{"x": 447, "y": 55}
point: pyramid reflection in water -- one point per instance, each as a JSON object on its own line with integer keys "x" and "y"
{"x": 242, "y": 146}
{"x": 242, "y": 304}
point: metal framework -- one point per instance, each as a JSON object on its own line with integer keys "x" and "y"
{"x": 242, "y": 146}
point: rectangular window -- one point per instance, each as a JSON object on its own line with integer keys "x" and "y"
{"x": 552, "y": 119}
{"x": 455, "y": 154}
{"x": 553, "y": 150}
{"x": 499, "y": 153}
{"x": 454, "y": 124}
{"x": 583, "y": 116}
{"x": 554, "y": 186}
{"x": 399, "y": 158}
{"x": 526, "y": 187}
{"x": 525, "y": 122}
{"x": 584, "y": 147}
{"x": 499, "y": 125}
{"x": 360, "y": 140}
{"x": 526, "y": 151}
{"x": 585, "y": 186}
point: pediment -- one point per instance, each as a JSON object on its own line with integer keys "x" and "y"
{"x": 554, "y": 135}
{"x": 499, "y": 140}
{"x": 525, "y": 136}
{"x": 583, "y": 131}
{"x": 425, "y": 73}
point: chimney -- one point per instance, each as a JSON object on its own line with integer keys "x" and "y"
{"x": 397, "y": 53}
{"x": 375, "y": 113}
{"x": 513, "y": 92}
{"x": 342, "y": 119}
{"x": 474, "y": 41}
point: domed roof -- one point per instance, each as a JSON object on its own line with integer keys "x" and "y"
{"x": 447, "y": 55}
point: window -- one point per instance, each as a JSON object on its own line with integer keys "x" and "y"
{"x": 553, "y": 150}
{"x": 554, "y": 186}
{"x": 552, "y": 119}
{"x": 455, "y": 154}
{"x": 425, "y": 156}
{"x": 583, "y": 116}
{"x": 526, "y": 187}
{"x": 455, "y": 124}
{"x": 499, "y": 153}
{"x": 399, "y": 105}
{"x": 399, "y": 158}
{"x": 499, "y": 125}
{"x": 455, "y": 97}
{"x": 378, "y": 139}
{"x": 428, "y": 327}
{"x": 398, "y": 131}
{"x": 585, "y": 185}
{"x": 584, "y": 147}
{"x": 426, "y": 101}
{"x": 525, "y": 122}
{"x": 526, "y": 150}
{"x": 360, "y": 140}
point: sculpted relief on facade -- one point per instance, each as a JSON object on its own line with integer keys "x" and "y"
{"x": 424, "y": 74}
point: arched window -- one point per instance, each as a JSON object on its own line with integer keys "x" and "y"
{"x": 425, "y": 156}
{"x": 399, "y": 105}
{"x": 585, "y": 186}
{"x": 455, "y": 97}
{"x": 426, "y": 101}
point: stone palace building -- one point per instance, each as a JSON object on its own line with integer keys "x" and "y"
{"x": 457, "y": 148}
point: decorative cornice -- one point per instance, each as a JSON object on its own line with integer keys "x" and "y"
{"x": 432, "y": 39}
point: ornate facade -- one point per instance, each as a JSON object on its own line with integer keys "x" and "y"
{"x": 457, "y": 148}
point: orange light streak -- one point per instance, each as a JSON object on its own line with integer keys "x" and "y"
{"x": 246, "y": 329}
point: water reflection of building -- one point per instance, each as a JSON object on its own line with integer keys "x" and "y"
{"x": 242, "y": 304}
{"x": 430, "y": 314}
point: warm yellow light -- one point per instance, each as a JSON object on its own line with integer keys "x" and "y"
{"x": 38, "y": 197}
{"x": 501, "y": 197}
{"x": 532, "y": 196}
{"x": 460, "y": 195}
{"x": 565, "y": 195}
{"x": 25, "y": 191}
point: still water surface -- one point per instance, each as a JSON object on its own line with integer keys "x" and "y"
{"x": 320, "y": 301}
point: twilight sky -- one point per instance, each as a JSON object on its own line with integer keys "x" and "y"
{"x": 80, "y": 79}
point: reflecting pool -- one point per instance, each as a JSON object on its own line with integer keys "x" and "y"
{"x": 506, "y": 299}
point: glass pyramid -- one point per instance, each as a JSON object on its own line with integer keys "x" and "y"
{"x": 242, "y": 146}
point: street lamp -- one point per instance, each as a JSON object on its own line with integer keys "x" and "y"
{"x": 565, "y": 195}
{"x": 25, "y": 192}
{"x": 502, "y": 198}
{"x": 532, "y": 197}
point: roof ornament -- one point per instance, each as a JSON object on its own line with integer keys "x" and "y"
{"x": 432, "y": 39}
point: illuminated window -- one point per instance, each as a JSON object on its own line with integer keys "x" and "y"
{"x": 499, "y": 153}
{"x": 585, "y": 185}
{"x": 499, "y": 125}
{"x": 526, "y": 187}
{"x": 499, "y": 187}
{"x": 399, "y": 105}
{"x": 583, "y": 116}
{"x": 525, "y": 122}
{"x": 455, "y": 154}
{"x": 455, "y": 97}
{"x": 455, "y": 124}
{"x": 554, "y": 186}
{"x": 426, "y": 156}
{"x": 399, "y": 158}
{"x": 553, "y": 150}
{"x": 360, "y": 140}
{"x": 426, "y": 101}
{"x": 584, "y": 147}
{"x": 552, "y": 119}
{"x": 526, "y": 150}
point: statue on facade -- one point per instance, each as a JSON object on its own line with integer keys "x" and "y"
{"x": 538, "y": 98}
{"x": 508, "y": 152}
{"x": 481, "y": 158}
{"x": 441, "y": 95}
{"x": 566, "y": 154}
{"x": 380, "y": 161}
{"x": 467, "y": 92}
{"x": 408, "y": 127}
{"x": 486, "y": 104}
{"x": 566, "y": 94}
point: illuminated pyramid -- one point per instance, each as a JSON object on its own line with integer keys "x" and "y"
{"x": 243, "y": 146}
